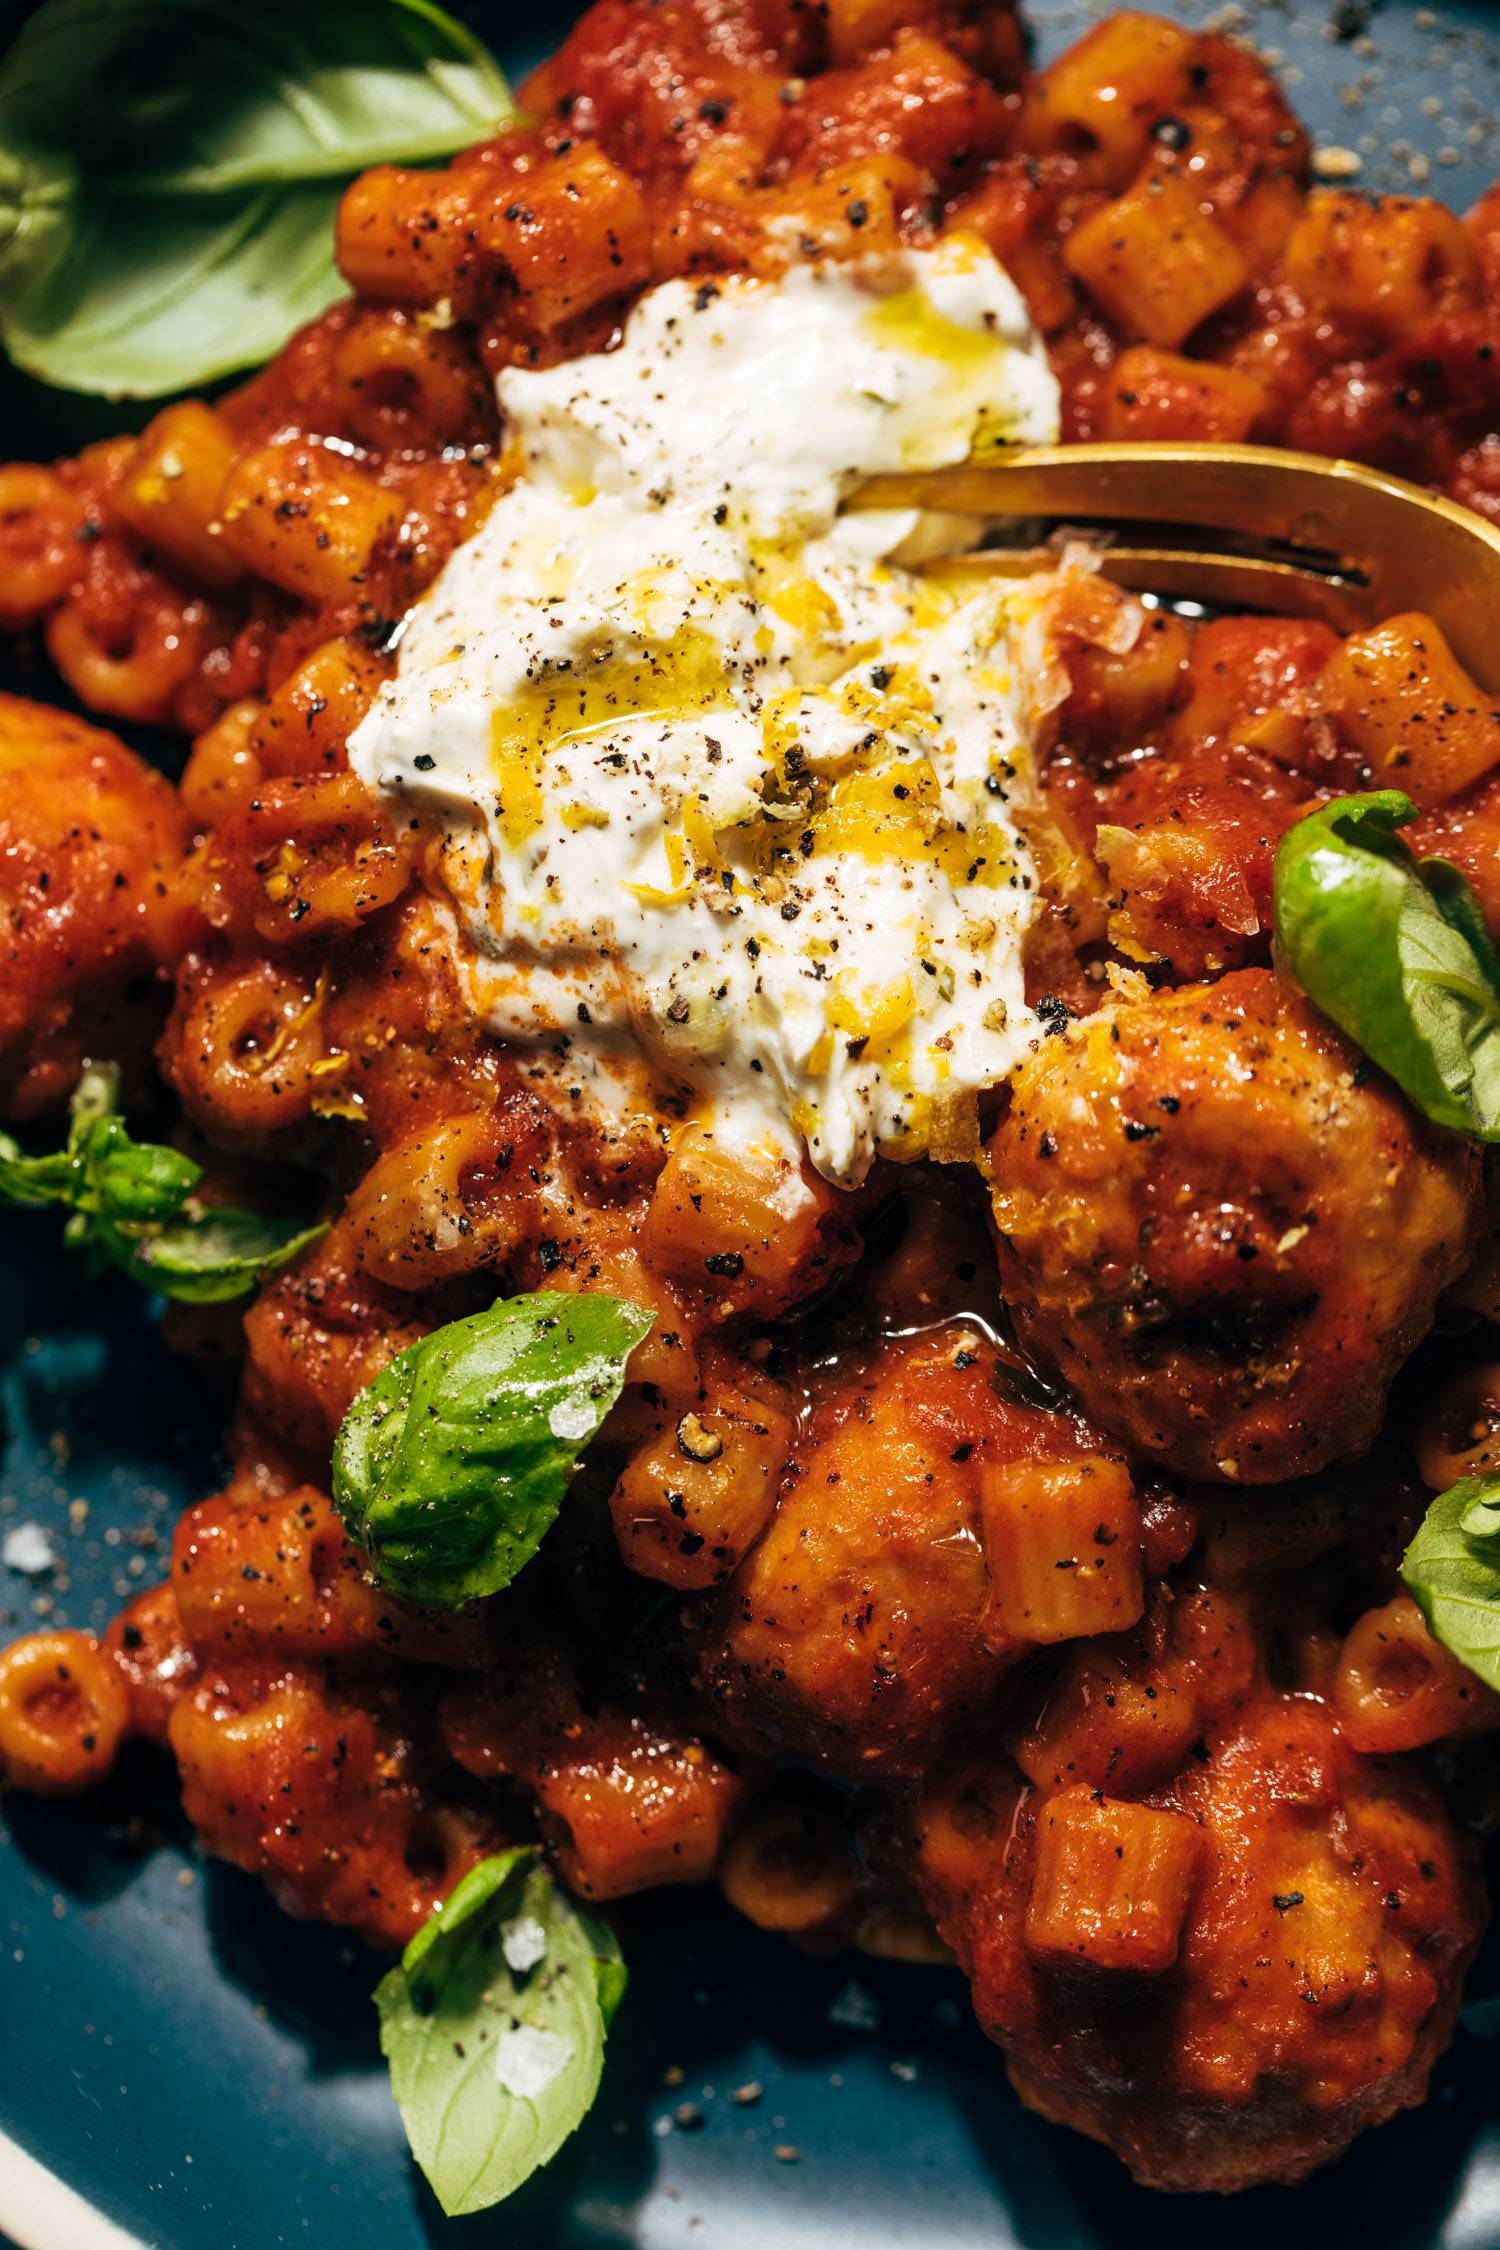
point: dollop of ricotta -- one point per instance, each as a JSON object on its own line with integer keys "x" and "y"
{"x": 724, "y": 784}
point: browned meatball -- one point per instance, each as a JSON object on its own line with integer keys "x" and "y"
{"x": 86, "y": 834}
{"x": 1223, "y": 1229}
{"x": 927, "y": 1532}
{"x": 1228, "y": 1981}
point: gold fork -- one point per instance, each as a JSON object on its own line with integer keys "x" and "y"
{"x": 1237, "y": 527}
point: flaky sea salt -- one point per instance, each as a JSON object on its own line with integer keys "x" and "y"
{"x": 527, "y": 2060}
{"x": 523, "y": 1942}
{"x": 25, "y": 1548}
{"x": 855, "y": 2009}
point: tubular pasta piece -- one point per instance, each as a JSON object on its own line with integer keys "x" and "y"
{"x": 1380, "y": 266}
{"x": 64, "y": 1712}
{"x": 306, "y": 519}
{"x": 1395, "y": 1688}
{"x": 306, "y": 725}
{"x": 1062, "y": 1547}
{"x": 788, "y": 1866}
{"x": 128, "y": 661}
{"x": 1112, "y": 1884}
{"x": 1101, "y": 99}
{"x": 1156, "y": 261}
{"x": 1404, "y": 699}
{"x": 171, "y": 488}
{"x": 41, "y": 523}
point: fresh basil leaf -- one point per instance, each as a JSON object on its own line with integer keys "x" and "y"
{"x": 494, "y": 2025}
{"x": 1453, "y": 1569}
{"x": 451, "y": 1466}
{"x": 61, "y": 1176}
{"x": 132, "y": 1203}
{"x": 213, "y": 1253}
{"x": 1395, "y": 950}
{"x": 34, "y": 1179}
{"x": 170, "y": 171}
{"x": 1455, "y": 901}
{"x": 316, "y": 92}
{"x": 95, "y": 1100}
{"x": 142, "y": 299}
{"x": 134, "y": 1182}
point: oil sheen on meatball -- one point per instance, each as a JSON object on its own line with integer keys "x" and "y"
{"x": 1222, "y": 1228}
{"x": 872, "y": 1614}
{"x": 1227, "y": 1980}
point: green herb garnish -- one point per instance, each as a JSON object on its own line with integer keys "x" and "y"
{"x": 451, "y": 1466}
{"x": 1395, "y": 949}
{"x": 1453, "y": 1569}
{"x": 133, "y": 1203}
{"x": 170, "y": 171}
{"x": 494, "y": 2027}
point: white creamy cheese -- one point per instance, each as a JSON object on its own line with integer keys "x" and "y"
{"x": 718, "y": 782}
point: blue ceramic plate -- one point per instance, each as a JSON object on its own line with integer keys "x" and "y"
{"x": 181, "y": 2066}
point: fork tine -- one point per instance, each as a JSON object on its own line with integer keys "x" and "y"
{"x": 1219, "y": 581}
{"x": 1413, "y": 549}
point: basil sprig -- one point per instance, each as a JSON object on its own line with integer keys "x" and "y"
{"x": 133, "y": 1204}
{"x": 170, "y": 171}
{"x": 1452, "y": 1567}
{"x": 451, "y": 1466}
{"x": 1395, "y": 949}
{"x": 494, "y": 2026}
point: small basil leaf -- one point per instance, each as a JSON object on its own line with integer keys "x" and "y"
{"x": 134, "y": 1181}
{"x": 132, "y": 1203}
{"x": 211, "y": 1254}
{"x": 1452, "y": 1567}
{"x": 451, "y": 1466}
{"x": 493, "y": 2025}
{"x": 95, "y": 1099}
{"x": 34, "y": 1179}
{"x": 1395, "y": 950}
{"x": 170, "y": 171}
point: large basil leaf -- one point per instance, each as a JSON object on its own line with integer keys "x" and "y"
{"x": 142, "y": 299}
{"x": 1453, "y": 1569}
{"x": 132, "y": 1203}
{"x": 170, "y": 171}
{"x": 493, "y": 2026}
{"x": 1395, "y": 950}
{"x": 451, "y": 1466}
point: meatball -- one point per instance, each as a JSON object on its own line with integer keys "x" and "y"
{"x": 1222, "y": 1228}
{"x": 1227, "y": 1981}
{"x": 904, "y": 1569}
{"x": 86, "y": 830}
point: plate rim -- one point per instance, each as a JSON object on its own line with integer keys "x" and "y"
{"x": 39, "y": 2211}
